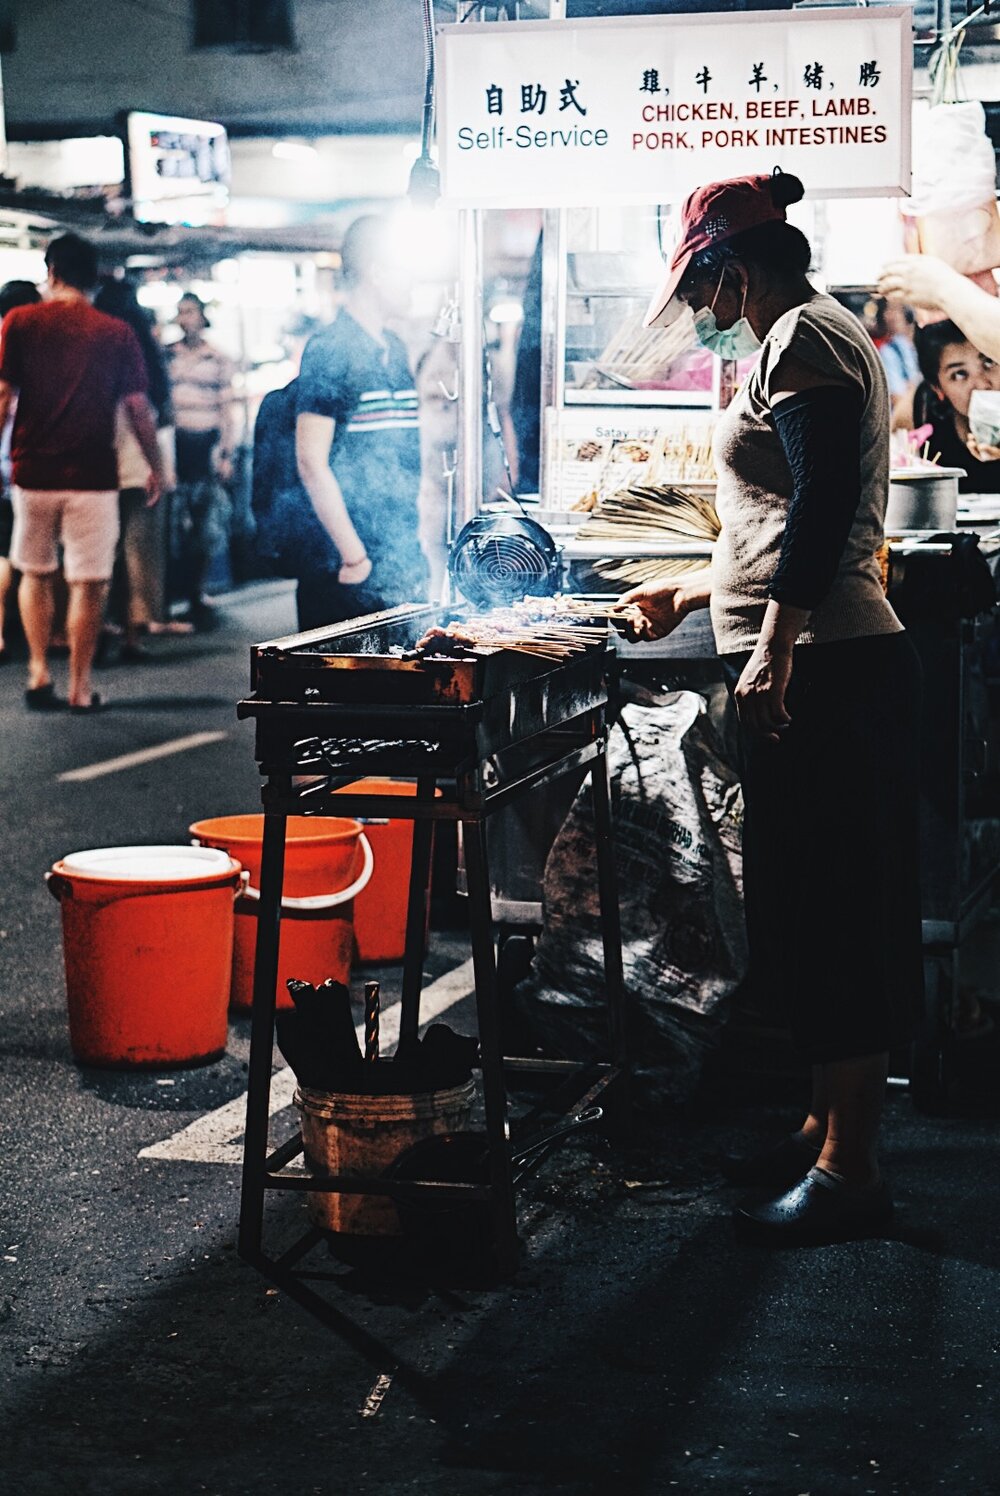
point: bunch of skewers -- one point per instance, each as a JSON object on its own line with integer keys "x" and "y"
{"x": 638, "y": 355}
{"x": 660, "y": 513}
{"x": 654, "y": 513}
{"x": 552, "y": 628}
{"x": 687, "y": 454}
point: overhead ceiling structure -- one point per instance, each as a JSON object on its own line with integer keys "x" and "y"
{"x": 353, "y": 65}
{"x": 354, "y": 69}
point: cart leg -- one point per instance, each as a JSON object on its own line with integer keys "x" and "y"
{"x": 417, "y": 910}
{"x": 502, "y": 1209}
{"x": 932, "y": 1061}
{"x": 265, "y": 981}
{"x": 611, "y": 930}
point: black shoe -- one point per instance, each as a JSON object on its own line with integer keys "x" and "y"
{"x": 819, "y": 1209}
{"x": 202, "y": 617}
{"x": 779, "y": 1166}
{"x": 92, "y": 707}
{"x": 44, "y": 699}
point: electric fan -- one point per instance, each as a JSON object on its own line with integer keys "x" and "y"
{"x": 499, "y": 558}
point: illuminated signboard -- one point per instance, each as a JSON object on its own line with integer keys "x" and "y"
{"x": 178, "y": 169}
{"x": 643, "y": 109}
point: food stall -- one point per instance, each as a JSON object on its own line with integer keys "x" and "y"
{"x": 626, "y": 479}
{"x": 568, "y": 116}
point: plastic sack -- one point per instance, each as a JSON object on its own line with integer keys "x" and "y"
{"x": 984, "y": 417}
{"x": 953, "y": 203}
{"x": 678, "y": 825}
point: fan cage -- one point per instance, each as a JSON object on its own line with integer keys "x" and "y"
{"x": 494, "y": 567}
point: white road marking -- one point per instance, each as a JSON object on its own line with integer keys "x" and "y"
{"x": 214, "y": 1138}
{"x": 141, "y": 756}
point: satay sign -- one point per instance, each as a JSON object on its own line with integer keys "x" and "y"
{"x": 538, "y": 114}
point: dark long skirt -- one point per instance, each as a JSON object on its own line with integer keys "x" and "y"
{"x": 831, "y": 845}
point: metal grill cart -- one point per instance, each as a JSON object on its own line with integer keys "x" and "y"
{"x": 333, "y": 704}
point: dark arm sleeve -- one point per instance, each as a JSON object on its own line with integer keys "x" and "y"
{"x": 819, "y": 431}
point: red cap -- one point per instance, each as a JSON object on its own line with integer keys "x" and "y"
{"x": 710, "y": 215}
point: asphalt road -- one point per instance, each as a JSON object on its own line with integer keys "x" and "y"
{"x": 641, "y": 1349}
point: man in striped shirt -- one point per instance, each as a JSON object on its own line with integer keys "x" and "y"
{"x": 358, "y": 444}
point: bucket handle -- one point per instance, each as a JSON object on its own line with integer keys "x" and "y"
{"x": 62, "y": 888}
{"x": 319, "y": 901}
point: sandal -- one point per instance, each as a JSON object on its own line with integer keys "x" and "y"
{"x": 175, "y": 626}
{"x": 44, "y": 699}
{"x": 95, "y": 704}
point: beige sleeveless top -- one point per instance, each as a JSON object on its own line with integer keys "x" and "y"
{"x": 755, "y": 486}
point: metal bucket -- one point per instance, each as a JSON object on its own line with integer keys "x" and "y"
{"x": 344, "y": 1134}
{"x": 922, "y": 500}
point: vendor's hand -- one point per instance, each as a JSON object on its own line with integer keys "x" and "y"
{"x": 982, "y": 453}
{"x": 224, "y": 468}
{"x": 653, "y": 611}
{"x": 918, "y": 280}
{"x": 352, "y": 574}
{"x": 760, "y": 693}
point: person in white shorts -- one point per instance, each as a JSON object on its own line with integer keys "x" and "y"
{"x": 69, "y": 367}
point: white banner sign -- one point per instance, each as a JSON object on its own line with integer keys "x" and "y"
{"x": 539, "y": 114}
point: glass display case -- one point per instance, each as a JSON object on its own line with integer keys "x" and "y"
{"x": 605, "y": 266}
{"x": 623, "y": 405}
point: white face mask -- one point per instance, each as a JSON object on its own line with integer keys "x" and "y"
{"x": 736, "y": 342}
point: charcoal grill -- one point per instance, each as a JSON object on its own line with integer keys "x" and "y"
{"x": 334, "y": 705}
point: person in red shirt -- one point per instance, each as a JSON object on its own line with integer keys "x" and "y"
{"x": 69, "y": 367}
{"x": 14, "y": 293}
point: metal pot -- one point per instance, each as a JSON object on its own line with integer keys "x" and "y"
{"x": 922, "y": 499}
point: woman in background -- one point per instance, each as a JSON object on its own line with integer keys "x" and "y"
{"x": 952, "y": 370}
{"x": 138, "y": 587}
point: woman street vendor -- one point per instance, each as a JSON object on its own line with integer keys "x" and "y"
{"x": 826, "y": 684}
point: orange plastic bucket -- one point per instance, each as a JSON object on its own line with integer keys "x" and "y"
{"x": 327, "y": 863}
{"x": 380, "y": 912}
{"x": 147, "y": 946}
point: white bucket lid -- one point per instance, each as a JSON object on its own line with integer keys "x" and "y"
{"x": 149, "y": 864}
